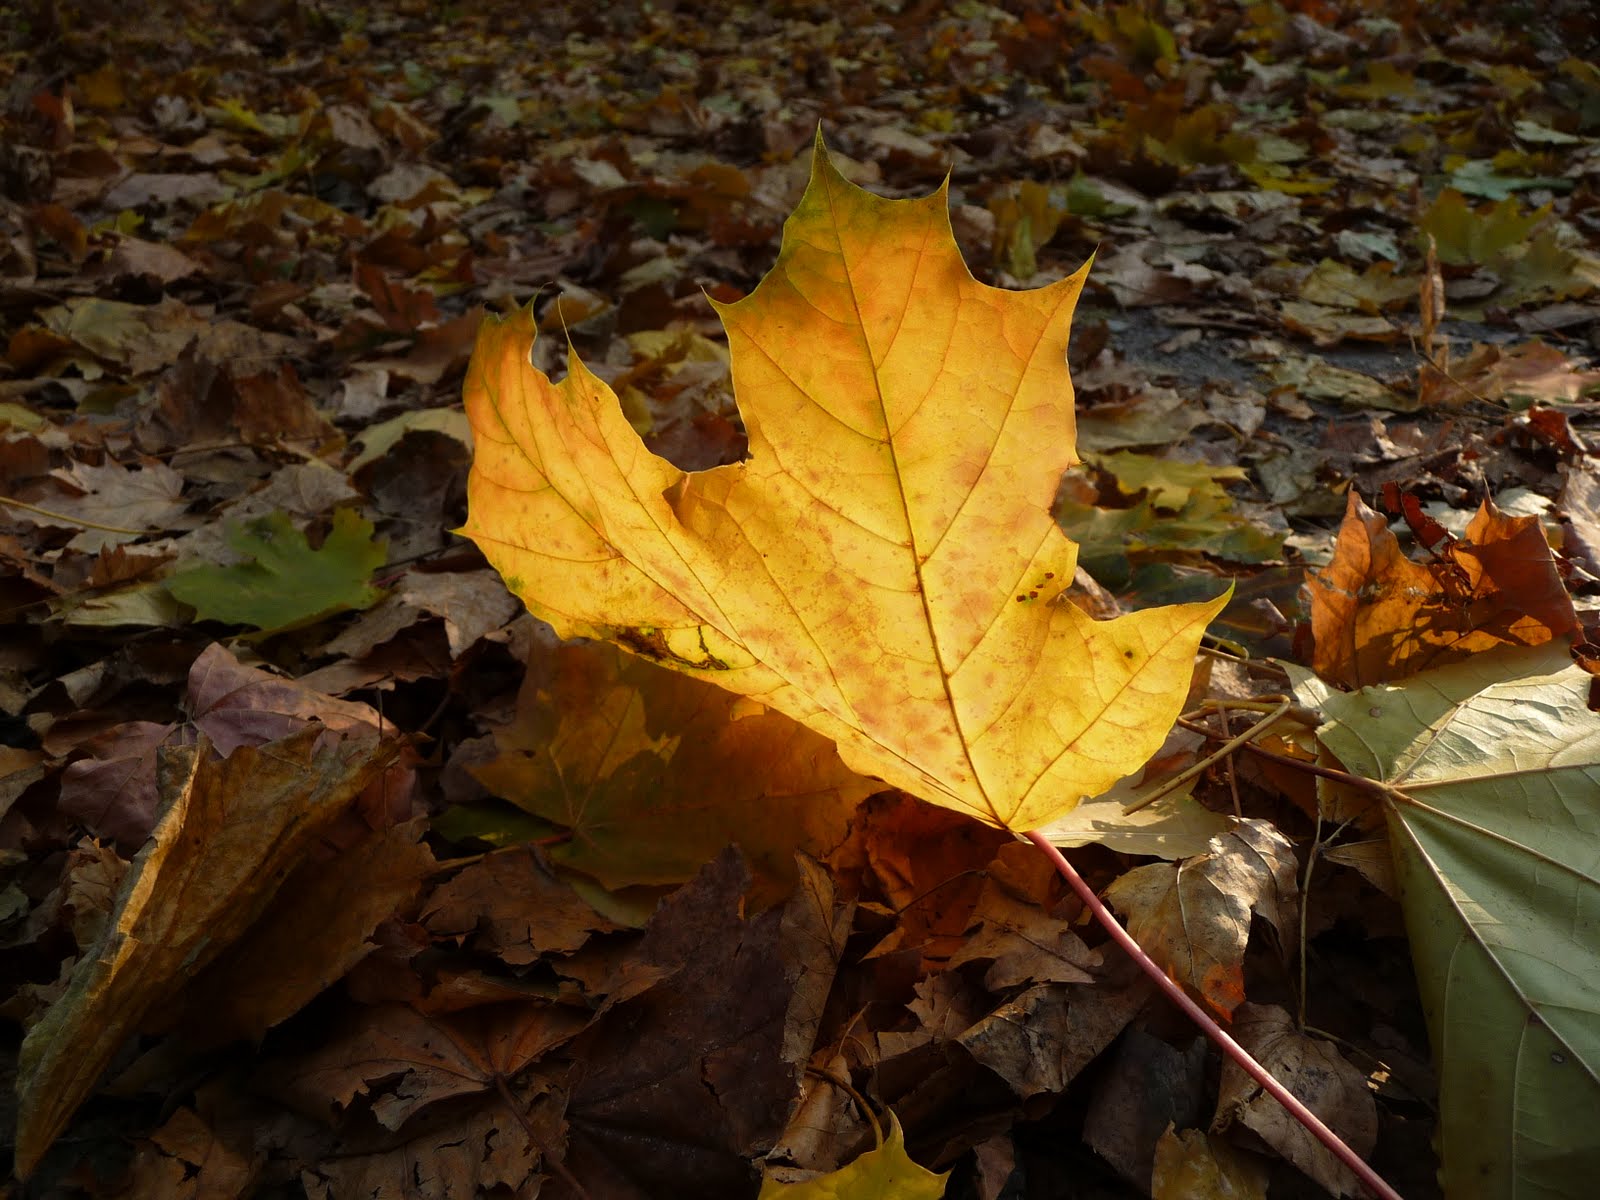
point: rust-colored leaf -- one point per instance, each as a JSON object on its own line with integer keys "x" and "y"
{"x": 1378, "y": 616}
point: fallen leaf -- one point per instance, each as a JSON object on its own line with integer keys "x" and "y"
{"x": 1491, "y": 764}
{"x": 470, "y": 603}
{"x": 488, "y": 1149}
{"x": 397, "y": 1061}
{"x": 229, "y": 833}
{"x": 884, "y": 566}
{"x": 510, "y": 906}
{"x": 128, "y": 501}
{"x": 1174, "y": 826}
{"x": 312, "y": 933}
{"x": 1146, "y": 1086}
{"x": 693, "y": 1077}
{"x": 1193, "y": 917}
{"x": 186, "y": 1160}
{"x": 653, "y": 772}
{"x": 1195, "y": 1165}
{"x": 1315, "y": 1071}
{"x": 1376, "y": 615}
{"x": 886, "y": 1172}
{"x": 286, "y": 584}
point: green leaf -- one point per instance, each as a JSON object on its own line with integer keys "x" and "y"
{"x": 1492, "y": 774}
{"x": 886, "y": 1173}
{"x": 286, "y": 584}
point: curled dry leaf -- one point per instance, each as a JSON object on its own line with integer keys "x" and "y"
{"x": 884, "y": 566}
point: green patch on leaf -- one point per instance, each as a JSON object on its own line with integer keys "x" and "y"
{"x": 286, "y": 584}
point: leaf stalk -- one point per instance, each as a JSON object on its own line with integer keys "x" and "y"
{"x": 1369, "y": 1178}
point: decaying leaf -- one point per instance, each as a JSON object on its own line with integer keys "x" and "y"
{"x": 702, "y": 1074}
{"x": 884, "y": 566}
{"x": 508, "y": 905}
{"x": 1315, "y": 1071}
{"x": 1193, "y": 917}
{"x": 1494, "y": 820}
{"x": 229, "y": 833}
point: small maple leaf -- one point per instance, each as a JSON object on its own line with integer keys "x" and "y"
{"x": 884, "y": 566}
{"x": 286, "y": 584}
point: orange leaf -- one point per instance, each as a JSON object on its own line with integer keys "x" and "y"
{"x": 884, "y": 566}
{"x": 1377, "y": 616}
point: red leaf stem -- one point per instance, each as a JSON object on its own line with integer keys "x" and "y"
{"x": 1374, "y": 1183}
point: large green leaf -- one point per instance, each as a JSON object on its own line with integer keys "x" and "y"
{"x": 1492, "y": 774}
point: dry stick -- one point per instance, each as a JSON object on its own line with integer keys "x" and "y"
{"x": 1280, "y": 708}
{"x": 1370, "y": 1178}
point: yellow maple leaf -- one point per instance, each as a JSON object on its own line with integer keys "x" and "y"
{"x": 884, "y": 566}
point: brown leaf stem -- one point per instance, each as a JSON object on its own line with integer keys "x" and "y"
{"x": 80, "y": 521}
{"x": 1280, "y": 709}
{"x": 1370, "y": 1179}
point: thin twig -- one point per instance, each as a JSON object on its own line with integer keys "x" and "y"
{"x": 1228, "y": 747}
{"x": 1370, "y": 1179}
{"x": 1300, "y": 764}
{"x": 1305, "y": 906}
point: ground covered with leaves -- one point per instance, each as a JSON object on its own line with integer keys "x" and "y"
{"x": 329, "y": 871}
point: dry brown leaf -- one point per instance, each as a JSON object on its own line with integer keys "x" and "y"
{"x": 509, "y": 905}
{"x": 229, "y": 834}
{"x": 1314, "y": 1071}
{"x": 1193, "y": 917}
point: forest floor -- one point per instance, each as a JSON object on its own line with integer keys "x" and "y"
{"x": 469, "y": 942}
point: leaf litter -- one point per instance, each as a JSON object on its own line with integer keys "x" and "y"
{"x": 243, "y": 287}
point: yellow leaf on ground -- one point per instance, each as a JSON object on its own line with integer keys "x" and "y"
{"x": 885, "y": 1173}
{"x": 884, "y": 566}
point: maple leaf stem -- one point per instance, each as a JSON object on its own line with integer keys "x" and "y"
{"x": 1370, "y": 1179}
{"x": 80, "y": 521}
{"x": 554, "y": 1165}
